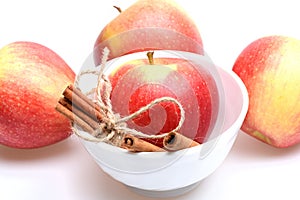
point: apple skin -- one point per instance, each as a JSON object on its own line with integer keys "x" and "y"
{"x": 137, "y": 83}
{"x": 155, "y": 24}
{"x": 270, "y": 69}
{"x": 32, "y": 78}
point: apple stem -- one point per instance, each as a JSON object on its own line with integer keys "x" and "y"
{"x": 118, "y": 8}
{"x": 150, "y": 57}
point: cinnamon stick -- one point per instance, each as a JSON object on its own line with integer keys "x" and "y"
{"x": 175, "y": 141}
{"x": 73, "y": 118}
{"x": 84, "y": 103}
{"x": 135, "y": 144}
{"x": 77, "y": 112}
{"x": 80, "y": 110}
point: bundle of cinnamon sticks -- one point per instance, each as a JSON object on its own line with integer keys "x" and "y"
{"x": 91, "y": 118}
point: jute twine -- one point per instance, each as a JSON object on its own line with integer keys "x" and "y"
{"x": 114, "y": 126}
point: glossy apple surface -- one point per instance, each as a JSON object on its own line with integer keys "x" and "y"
{"x": 32, "y": 78}
{"x": 149, "y": 25}
{"x": 270, "y": 69}
{"x": 137, "y": 83}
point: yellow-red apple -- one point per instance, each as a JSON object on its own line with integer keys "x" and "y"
{"x": 136, "y": 83}
{"x": 149, "y": 25}
{"x": 270, "y": 69}
{"x": 32, "y": 78}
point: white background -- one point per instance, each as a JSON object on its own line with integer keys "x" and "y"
{"x": 65, "y": 171}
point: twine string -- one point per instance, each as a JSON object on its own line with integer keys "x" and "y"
{"x": 114, "y": 125}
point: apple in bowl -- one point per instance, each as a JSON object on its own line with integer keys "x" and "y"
{"x": 187, "y": 94}
{"x": 138, "y": 82}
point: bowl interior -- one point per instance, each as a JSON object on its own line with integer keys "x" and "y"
{"x": 236, "y": 99}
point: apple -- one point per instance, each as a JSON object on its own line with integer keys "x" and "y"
{"x": 149, "y": 25}
{"x": 270, "y": 69}
{"x": 32, "y": 78}
{"x": 138, "y": 82}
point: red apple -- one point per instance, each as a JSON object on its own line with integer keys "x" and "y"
{"x": 32, "y": 78}
{"x": 137, "y": 83}
{"x": 270, "y": 69}
{"x": 149, "y": 25}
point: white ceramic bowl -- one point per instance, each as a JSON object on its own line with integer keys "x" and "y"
{"x": 166, "y": 174}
